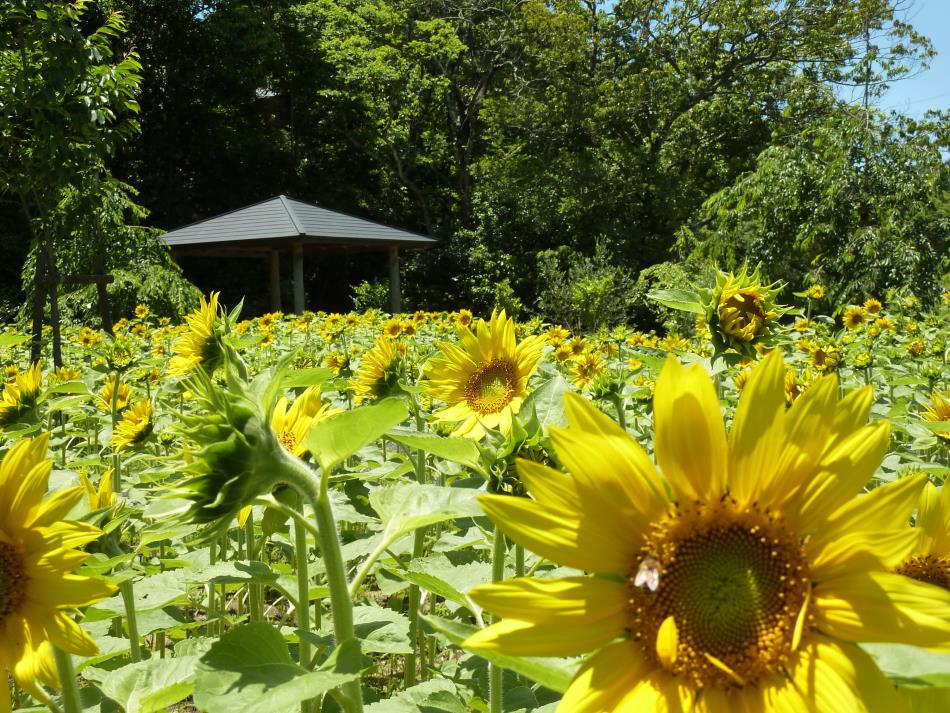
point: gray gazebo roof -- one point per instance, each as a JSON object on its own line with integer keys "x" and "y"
{"x": 283, "y": 224}
{"x": 282, "y": 218}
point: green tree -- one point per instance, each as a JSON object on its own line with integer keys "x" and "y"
{"x": 68, "y": 101}
{"x": 859, "y": 202}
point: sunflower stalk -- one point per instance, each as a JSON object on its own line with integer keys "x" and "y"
{"x": 67, "y": 677}
{"x": 299, "y": 476}
{"x": 303, "y": 598}
{"x": 256, "y": 610}
{"x": 418, "y": 550}
{"x": 128, "y": 601}
{"x": 496, "y": 672}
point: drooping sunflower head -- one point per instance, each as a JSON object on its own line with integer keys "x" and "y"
{"x": 586, "y": 368}
{"x": 134, "y": 427}
{"x": 485, "y": 378}
{"x": 732, "y": 572}
{"x": 38, "y": 554}
{"x": 938, "y": 410}
{"x": 741, "y": 310}
{"x": 201, "y": 342}
{"x": 380, "y": 371}
{"x": 19, "y": 396}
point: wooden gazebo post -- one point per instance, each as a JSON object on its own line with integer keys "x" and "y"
{"x": 298, "y": 277}
{"x": 395, "y": 298}
{"x": 274, "y": 257}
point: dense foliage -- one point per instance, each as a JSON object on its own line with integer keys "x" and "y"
{"x": 635, "y": 133}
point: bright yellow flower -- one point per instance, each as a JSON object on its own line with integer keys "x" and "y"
{"x": 587, "y": 367}
{"x": 20, "y": 395}
{"x": 141, "y": 311}
{"x": 101, "y": 497}
{"x": 816, "y": 292}
{"x": 739, "y": 580}
{"x": 198, "y": 345}
{"x": 854, "y": 317}
{"x": 930, "y": 561}
{"x": 121, "y": 392}
{"x": 65, "y": 373}
{"x": 556, "y": 335}
{"x": 37, "y": 587}
{"x": 134, "y": 427}
{"x": 825, "y": 357}
{"x": 742, "y": 308}
{"x": 801, "y": 325}
{"x": 938, "y": 410}
{"x": 379, "y": 369}
{"x": 916, "y": 347}
{"x": 292, "y": 425}
{"x": 873, "y": 306}
{"x": 485, "y": 378}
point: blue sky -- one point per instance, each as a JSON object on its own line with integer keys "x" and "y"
{"x": 930, "y": 89}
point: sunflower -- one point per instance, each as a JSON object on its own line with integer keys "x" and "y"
{"x": 873, "y": 306}
{"x": 135, "y": 426}
{"x": 199, "y": 344}
{"x": 741, "y": 579}
{"x": 113, "y": 388}
{"x": 19, "y": 396}
{"x": 854, "y": 317}
{"x": 938, "y": 410}
{"x": 587, "y": 367}
{"x": 37, "y": 586}
{"x": 930, "y": 561}
{"x": 484, "y": 380}
{"x": 379, "y": 370}
{"x": 816, "y": 292}
{"x": 101, "y": 497}
{"x": 293, "y": 424}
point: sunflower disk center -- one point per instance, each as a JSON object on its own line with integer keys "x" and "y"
{"x": 492, "y": 387}
{"x": 928, "y": 569}
{"x": 734, "y": 582}
{"x": 13, "y": 581}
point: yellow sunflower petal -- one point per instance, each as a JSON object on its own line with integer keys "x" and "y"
{"x": 657, "y": 692}
{"x": 57, "y": 506}
{"x": 862, "y": 524}
{"x": 857, "y": 552}
{"x": 547, "y": 485}
{"x": 572, "y": 600}
{"x": 525, "y": 638}
{"x": 600, "y": 453}
{"x": 67, "y": 590}
{"x": 690, "y": 438}
{"x": 562, "y": 536}
{"x": 840, "y": 678}
{"x": 748, "y": 699}
{"x": 605, "y": 678}
{"x": 842, "y": 473}
{"x": 757, "y": 436}
{"x": 881, "y": 606}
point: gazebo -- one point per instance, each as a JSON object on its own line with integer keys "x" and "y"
{"x": 285, "y": 225}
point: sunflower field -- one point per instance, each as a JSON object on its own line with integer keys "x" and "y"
{"x": 434, "y": 512}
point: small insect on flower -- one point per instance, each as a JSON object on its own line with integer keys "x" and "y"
{"x": 648, "y": 574}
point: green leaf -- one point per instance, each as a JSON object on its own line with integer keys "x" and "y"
{"x": 381, "y": 631}
{"x": 9, "y": 340}
{"x": 153, "y": 685}
{"x": 911, "y": 666}
{"x": 403, "y": 508}
{"x": 306, "y": 377}
{"x": 682, "y": 300}
{"x": 435, "y": 696}
{"x": 555, "y": 674}
{"x": 334, "y": 440}
{"x": 250, "y": 670}
{"x": 548, "y": 402}
{"x": 438, "y": 575}
{"x": 458, "y": 450}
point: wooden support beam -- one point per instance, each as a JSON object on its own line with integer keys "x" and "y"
{"x": 298, "y": 278}
{"x": 274, "y": 258}
{"x": 395, "y": 298}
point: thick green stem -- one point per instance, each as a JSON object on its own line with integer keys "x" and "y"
{"x": 67, "y": 677}
{"x": 418, "y": 550}
{"x": 128, "y": 601}
{"x": 301, "y": 477}
{"x": 254, "y": 593}
{"x": 495, "y": 672}
{"x": 303, "y": 589}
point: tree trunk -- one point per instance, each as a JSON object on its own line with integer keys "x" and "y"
{"x": 39, "y": 297}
